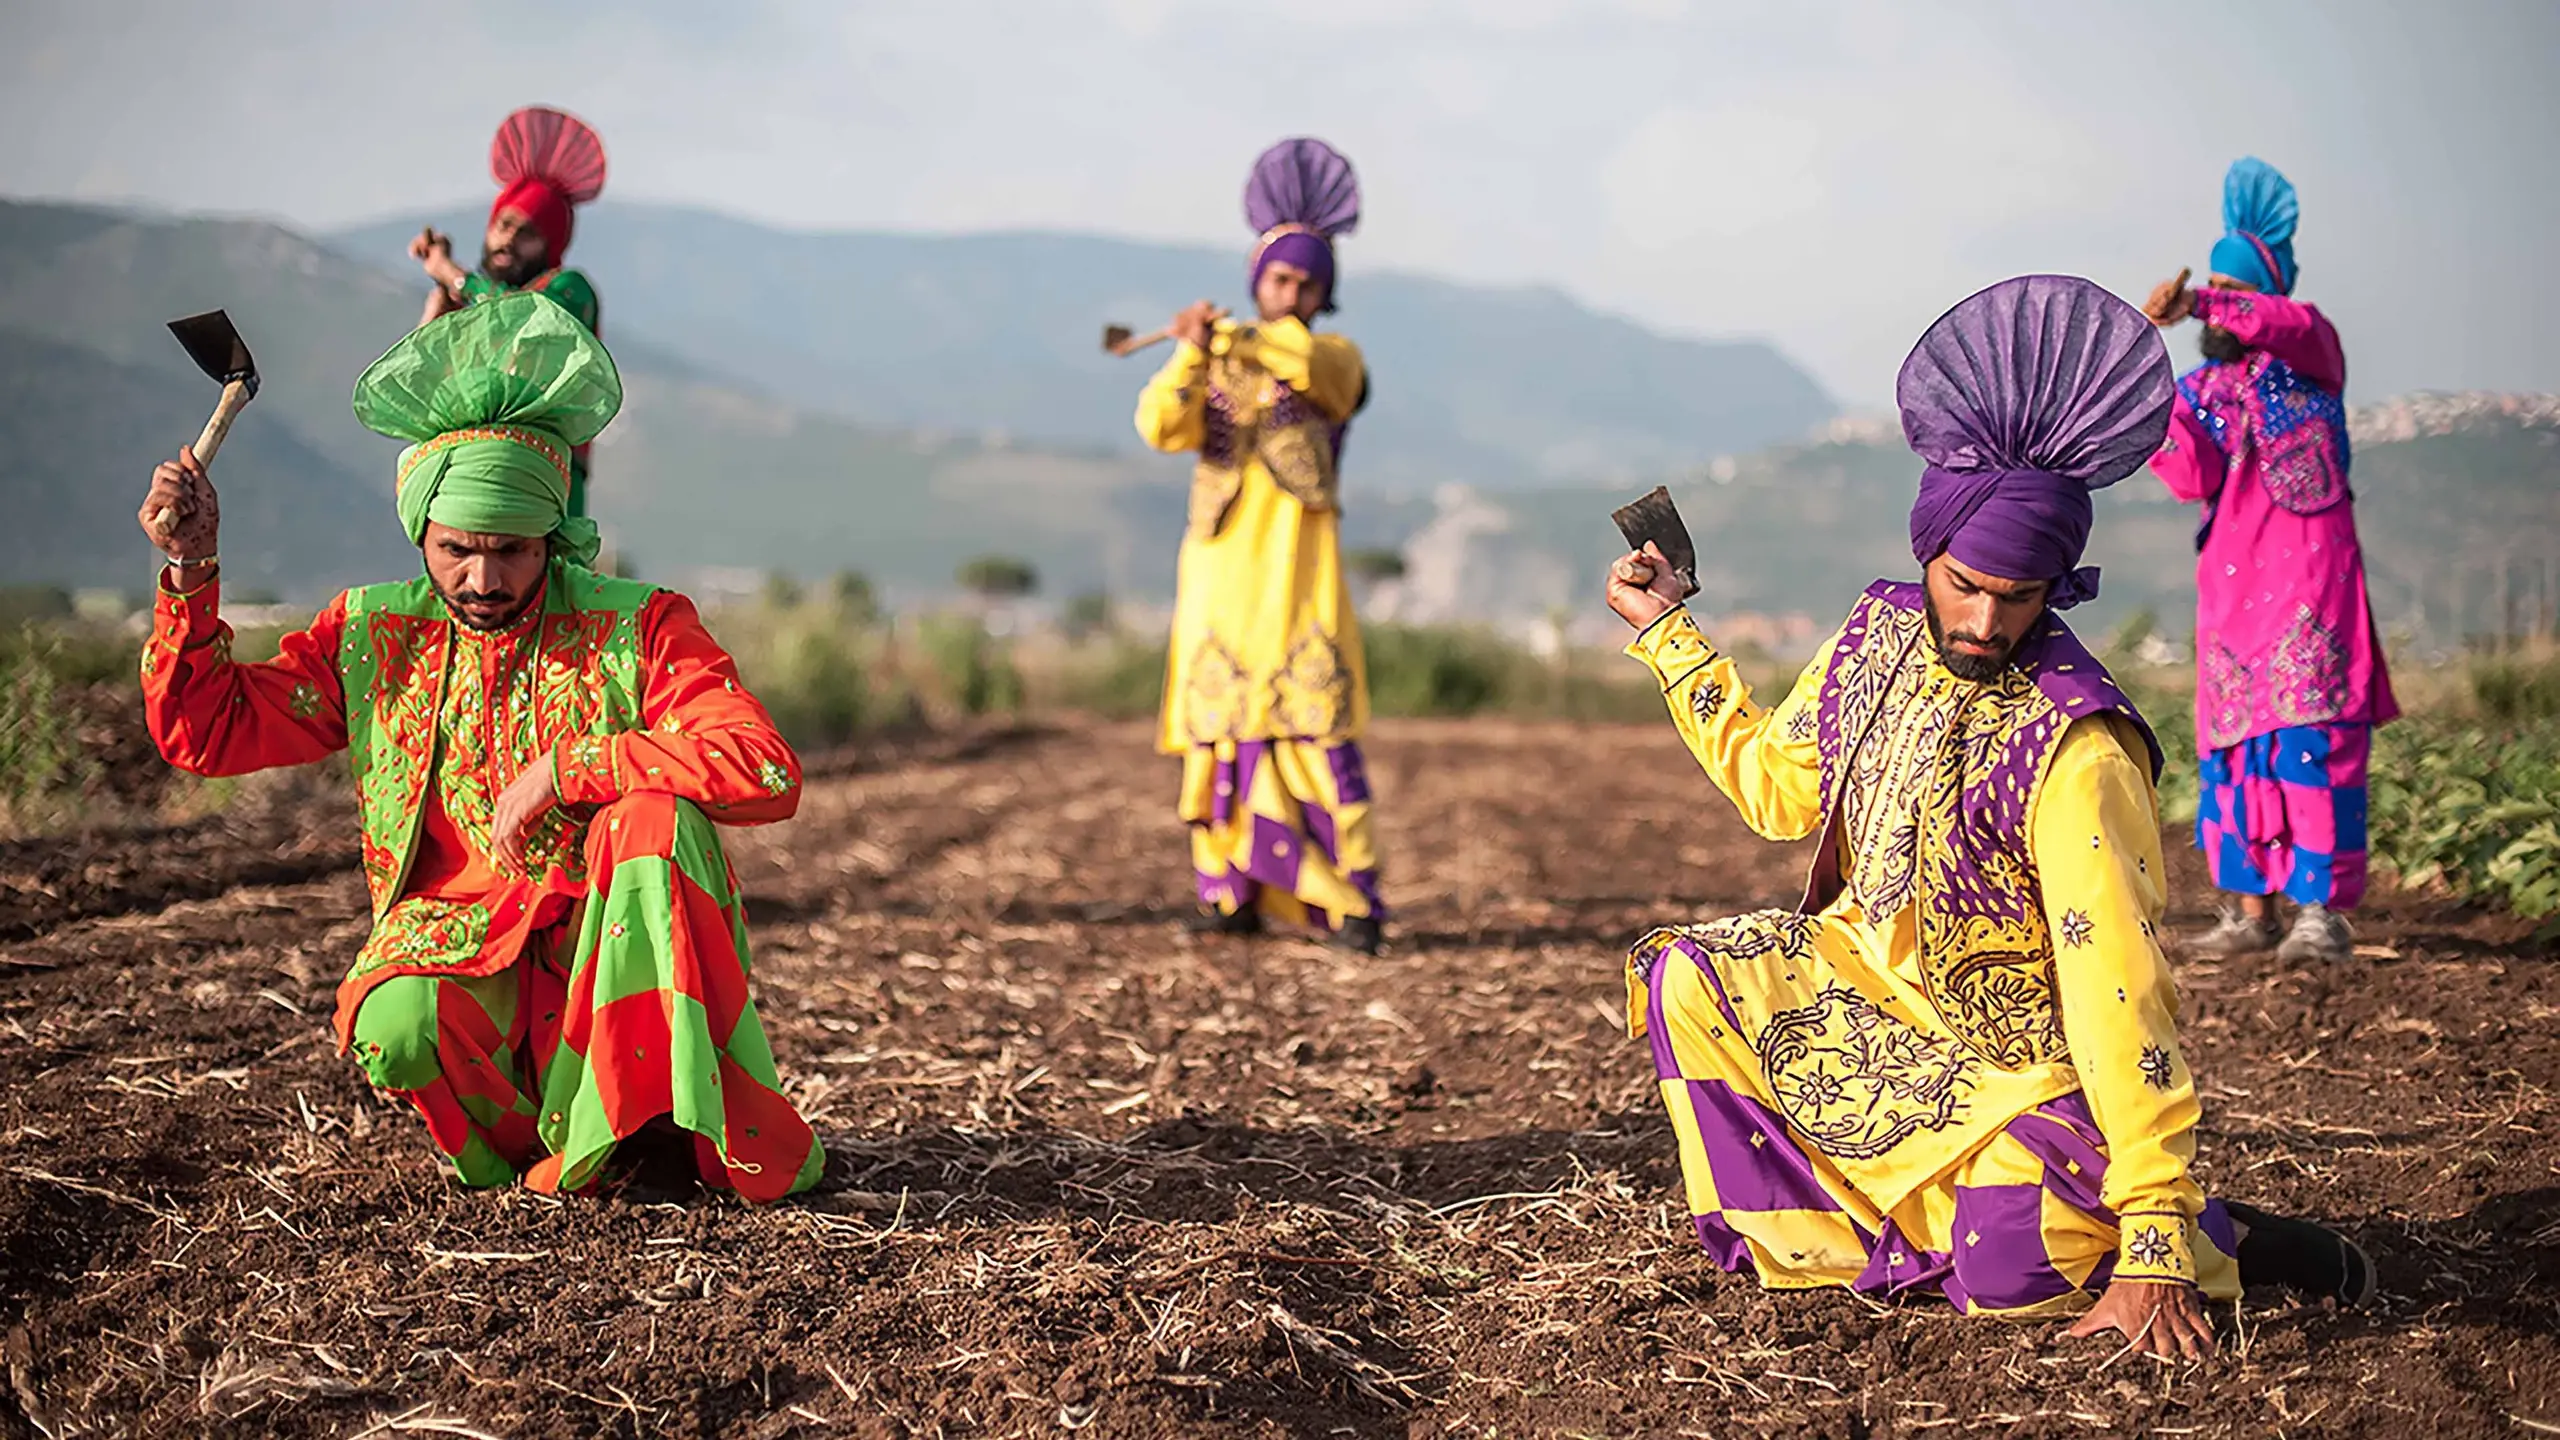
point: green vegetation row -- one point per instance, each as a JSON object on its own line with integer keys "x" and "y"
{"x": 2465, "y": 787}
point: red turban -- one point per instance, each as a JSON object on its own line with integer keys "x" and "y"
{"x": 547, "y": 209}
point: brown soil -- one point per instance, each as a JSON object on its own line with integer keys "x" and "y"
{"x": 1091, "y": 1174}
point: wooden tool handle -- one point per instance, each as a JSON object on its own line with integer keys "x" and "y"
{"x": 1136, "y": 343}
{"x": 209, "y": 444}
{"x": 235, "y": 395}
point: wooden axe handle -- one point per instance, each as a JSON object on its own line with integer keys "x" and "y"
{"x": 1136, "y": 343}
{"x": 235, "y": 396}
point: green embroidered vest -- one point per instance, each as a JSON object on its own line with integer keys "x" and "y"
{"x": 394, "y": 665}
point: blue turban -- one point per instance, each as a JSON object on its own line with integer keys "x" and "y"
{"x": 2259, "y": 213}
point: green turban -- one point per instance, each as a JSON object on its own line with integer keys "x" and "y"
{"x": 492, "y": 398}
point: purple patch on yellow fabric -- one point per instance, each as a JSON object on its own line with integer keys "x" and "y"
{"x": 1350, "y": 773}
{"x": 1757, "y": 1166}
{"x": 1999, "y": 1247}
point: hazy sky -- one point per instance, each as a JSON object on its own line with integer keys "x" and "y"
{"x": 1831, "y": 176}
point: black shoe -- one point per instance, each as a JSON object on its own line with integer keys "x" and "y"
{"x": 1360, "y": 932}
{"x": 2303, "y": 1256}
{"x": 1225, "y": 922}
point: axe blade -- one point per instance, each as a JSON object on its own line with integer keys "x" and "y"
{"x": 1653, "y": 517}
{"x": 214, "y": 343}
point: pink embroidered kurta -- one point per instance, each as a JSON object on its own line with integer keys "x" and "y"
{"x": 2284, "y": 631}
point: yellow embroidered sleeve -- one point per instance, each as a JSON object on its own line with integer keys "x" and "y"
{"x": 1325, "y": 368}
{"x": 1768, "y": 762}
{"x": 2095, "y": 832}
{"x": 1173, "y": 409}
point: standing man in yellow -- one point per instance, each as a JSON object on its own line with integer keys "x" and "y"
{"x": 1265, "y": 687}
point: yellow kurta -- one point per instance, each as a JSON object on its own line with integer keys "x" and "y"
{"x": 1265, "y": 684}
{"x": 1880, "y": 1140}
{"x": 1264, "y": 643}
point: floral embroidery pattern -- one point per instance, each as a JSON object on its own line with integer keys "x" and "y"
{"x": 2157, "y": 1069}
{"x": 2076, "y": 929}
{"x": 1311, "y": 693}
{"x": 2310, "y": 672}
{"x": 1213, "y": 700}
{"x": 420, "y": 931}
{"x": 2226, "y": 696}
{"x": 775, "y": 780}
{"x": 586, "y": 761}
{"x": 1858, "y": 1082}
{"x": 1706, "y": 700}
{"x": 305, "y": 699}
{"x": 2149, "y": 1246}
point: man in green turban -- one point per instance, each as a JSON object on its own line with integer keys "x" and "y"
{"x": 541, "y": 758}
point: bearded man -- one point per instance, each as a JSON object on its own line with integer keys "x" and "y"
{"x": 2290, "y": 674}
{"x": 1954, "y": 1068}
{"x": 1266, "y": 687}
{"x": 541, "y": 756}
{"x": 547, "y": 164}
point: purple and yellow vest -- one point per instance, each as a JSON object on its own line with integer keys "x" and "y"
{"x": 1251, "y": 415}
{"x": 394, "y": 667}
{"x": 1964, "y": 778}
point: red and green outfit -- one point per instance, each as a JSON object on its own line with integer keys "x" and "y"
{"x": 537, "y": 1015}
{"x": 534, "y": 1019}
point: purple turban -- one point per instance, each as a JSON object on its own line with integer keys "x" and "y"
{"x": 1301, "y": 194}
{"x": 2023, "y": 400}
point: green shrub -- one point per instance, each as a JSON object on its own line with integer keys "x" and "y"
{"x": 1121, "y": 679}
{"x": 2471, "y": 809}
{"x": 808, "y": 668}
{"x": 2515, "y": 689}
{"x": 42, "y": 764}
{"x": 975, "y": 670}
{"x": 1436, "y": 670}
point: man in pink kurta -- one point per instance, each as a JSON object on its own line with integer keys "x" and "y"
{"x": 2290, "y": 677}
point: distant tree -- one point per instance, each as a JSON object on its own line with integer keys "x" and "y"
{"x": 1087, "y": 614}
{"x": 254, "y": 595}
{"x": 854, "y": 598}
{"x": 780, "y": 590}
{"x": 1374, "y": 565}
{"x": 998, "y": 577}
{"x": 22, "y": 603}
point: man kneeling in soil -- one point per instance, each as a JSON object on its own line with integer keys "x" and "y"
{"x": 558, "y": 957}
{"x": 1955, "y": 1067}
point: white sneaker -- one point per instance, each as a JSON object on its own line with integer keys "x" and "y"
{"x": 2235, "y": 934}
{"x": 2318, "y": 934}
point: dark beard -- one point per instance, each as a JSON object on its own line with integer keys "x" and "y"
{"x": 454, "y": 601}
{"x": 512, "y": 275}
{"x": 2221, "y": 345}
{"x": 1980, "y": 669}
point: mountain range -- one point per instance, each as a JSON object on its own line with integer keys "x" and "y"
{"x": 998, "y": 336}
{"x": 769, "y": 438}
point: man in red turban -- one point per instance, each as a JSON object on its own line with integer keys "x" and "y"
{"x": 547, "y": 164}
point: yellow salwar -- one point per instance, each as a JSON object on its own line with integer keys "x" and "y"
{"x": 1266, "y": 688}
{"x": 1846, "y": 1113}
